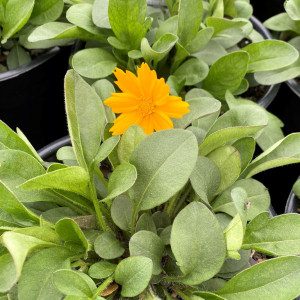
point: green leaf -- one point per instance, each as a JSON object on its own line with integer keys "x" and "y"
{"x": 86, "y": 116}
{"x": 280, "y": 276}
{"x": 17, "y": 13}
{"x": 104, "y": 89}
{"x": 192, "y": 71}
{"x": 270, "y": 55}
{"x": 81, "y": 15}
{"x": 133, "y": 274}
{"x": 243, "y": 9}
{"x": 296, "y": 188}
{"x": 211, "y": 52}
{"x": 292, "y": 7}
{"x": 71, "y": 233}
{"x": 46, "y": 11}
{"x": 94, "y": 63}
{"x": 170, "y": 25}
{"x": 20, "y": 246}
{"x": 8, "y": 274}
{"x": 17, "y": 57}
{"x": 55, "y": 214}
{"x": 100, "y": 13}
{"x": 205, "y": 178}
{"x": 12, "y": 141}
{"x": 238, "y": 122}
{"x": 159, "y": 49}
{"x": 101, "y": 269}
{"x": 271, "y": 134}
{"x": 72, "y": 179}
{"x": 121, "y": 212}
{"x": 60, "y": 30}
{"x": 127, "y": 20}
{"x": 146, "y": 222}
{"x": 42, "y": 265}
{"x": 226, "y": 73}
{"x": 173, "y": 157}
{"x": 121, "y": 180}
{"x": 10, "y": 204}
{"x": 67, "y": 156}
{"x": 199, "y": 107}
{"x": 231, "y": 266}
{"x": 199, "y": 253}
{"x": 284, "y": 152}
{"x": 228, "y": 160}
{"x": 220, "y": 24}
{"x": 246, "y": 148}
{"x": 279, "y": 75}
{"x": 74, "y": 283}
{"x": 161, "y": 219}
{"x": 108, "y": 247}
{"x": 282, "y": 22}
{"x": 129, "y": 141}
{"x": 278, "y": 237}
{"x": 189, "y": 19}
{"x": 201, "y": 39}
{"x": 106, "y": 148}
{"x": 148, "y": 244}
{"x": 234, "y": 232}
{"x": 258, "y": 198}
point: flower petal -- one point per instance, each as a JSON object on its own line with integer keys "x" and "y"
{"x": 122, "y": 102}
{"x": 124, "y": 121}
{"x": 127, "y": 82}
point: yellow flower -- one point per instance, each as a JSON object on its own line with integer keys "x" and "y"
{"x": 144, "y": 101}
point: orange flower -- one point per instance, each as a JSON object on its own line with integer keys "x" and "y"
{"x": 144, "y": 101}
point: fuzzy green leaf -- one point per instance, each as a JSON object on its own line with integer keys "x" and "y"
{"x": 199, "y": 253}
{"x": 133, "y": 274}
{"x": 173, "y": 155}
{"x": 148, "y": 244}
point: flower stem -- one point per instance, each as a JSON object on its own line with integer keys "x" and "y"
{"x": 97, "y": 204}
{"x": 103, "y": 286}
{"x": 183, "y": 197}
{"x": 100, "y": 176}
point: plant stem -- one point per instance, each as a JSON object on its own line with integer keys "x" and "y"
{"x": 171, "y": 204}
{"x": 103, "y": 286}
{"x": 100, "y": 176}
{"x": 96, "y": 203}
{"x": 183, "y": 197}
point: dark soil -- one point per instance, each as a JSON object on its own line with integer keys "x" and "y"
{"x": 255, "y": 93}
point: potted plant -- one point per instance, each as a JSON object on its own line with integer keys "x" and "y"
{"x": 146, "y": 215}
{"x": 28, "y": 71}
{"x": 217, "y": 34}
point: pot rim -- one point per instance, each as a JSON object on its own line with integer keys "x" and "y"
{"x": 294, "y": 86}
{"x": 31, "y": 65}
{"x": 53, "y": 147}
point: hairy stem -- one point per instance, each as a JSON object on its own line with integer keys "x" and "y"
{"x": 103, "y": 286}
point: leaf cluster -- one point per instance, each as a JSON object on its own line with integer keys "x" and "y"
{"x": 146, "y": 217}
{"x": 288, "y": 25}
{"x": 18, "y": 18}
{"x": 209, "y": 44}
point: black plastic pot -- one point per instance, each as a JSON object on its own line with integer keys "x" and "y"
{"x": 48, "y": 152}
{"x": 32, "y": 97}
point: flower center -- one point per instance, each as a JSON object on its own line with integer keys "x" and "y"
{"x": 146, "y": 106}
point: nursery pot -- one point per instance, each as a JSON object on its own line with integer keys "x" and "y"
{"x": 48, "y": 152}
{"x": 32, "y": 97}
